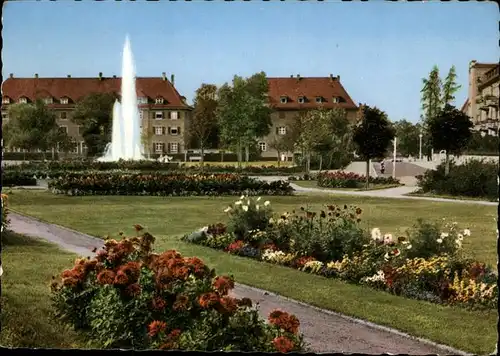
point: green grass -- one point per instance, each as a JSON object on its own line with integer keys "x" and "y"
{"x": 26, "y": 313}
{"x": 455, "y": 197}
{"x": 168, "y": 218}
{"x": 314, "y": 184}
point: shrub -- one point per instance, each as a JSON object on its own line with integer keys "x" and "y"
{"x": 10, "y": 179}
{"x": 474, "y": 178}
{"x": 164, "y": 184}
{"x": 5, "y": 212}
{"x": 341, "y": 179}
{"x": 128, "y": 297}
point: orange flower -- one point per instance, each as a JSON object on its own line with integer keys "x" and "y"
{"x": 131, "y": 269}
{"x": 121, "y": 278}
{"x": 158, "y": 303}
{"x": 111, "y": 243}
{"x": 90, "y": 266}
{"x": 67, "y": 273}
{"x": 229, "y": 304}
{"x": 285, "y": 321}
{"x": 181, "y": 273}
{"x": 156, "y": 327}
{"x": 283, "y": 344}
{"x": 167, "y": 346}
{"x": 181, "y": 302}
{"x": 106, "y": 277}
{"x": 174, "y": 334}
{"x": 101, "y": 255}
{"x": 133, "y": 290}
{"x": 70, "y": 282}
{"x": 223, "y": 284}
{"x": 208, "y": 299}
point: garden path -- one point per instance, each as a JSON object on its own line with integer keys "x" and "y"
{"x": 325, "y": 331}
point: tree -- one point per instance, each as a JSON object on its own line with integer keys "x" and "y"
{"x": 242, "y": 113}
{"x": 280, "y": 144}
{"x": 94, "y": 114}
{"x": 450, "y": 87}
{"x": 34, "y": 127}
{"x": 450, "y": 130}
{"x": 204, "y": 119}
{"x": 408, "y": 137}
{"x": 431, "y": 102}
{"x": 373, "y": 136}
{"x": 147, "y": 136}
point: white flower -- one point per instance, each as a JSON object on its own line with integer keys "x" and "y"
{"x": 244, "y": 207}
{"x": 238, "y": 202}
{"x": 248, "y": 202}
{"x": 267, "y": 202}
{"x": 1, "y": 270}
{"x": 460, "y": 237}
{"x": 439, "y": 241}
{"x": 271, "y": 220}
{"x": 257, "y": 199}
{"x": 466, "y": 232}
{"x": 408, "y": 247}
{"x": 376, "y": 234}
{"x": 386, "y": 256}
{"x": 257, "y": 207}
{"x": 228, "y": 209}
{"x": 459, "y": 243}
{"x": 242, "y": 197}
{"x": 387, "y": 238}
{"x": 444, "y": 234}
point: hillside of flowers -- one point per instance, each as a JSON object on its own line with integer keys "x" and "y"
{"x": 129, "y": 297}
{"x": 427, "y": 264}
{"x": 342, "y": 179}
{"x": 119, "y": 183}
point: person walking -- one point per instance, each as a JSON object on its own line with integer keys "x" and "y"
{"x": 382, "y": 167}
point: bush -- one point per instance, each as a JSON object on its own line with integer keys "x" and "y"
{"x": 164, "y": 184}
{"x": 342, "y": 179}
{"x": 5, "y": 212}
{"x": 29, "y": 156}
{"x": 474, "y": 178}
{"x": 129, "y": 297}
{"x": 10, "y": 179}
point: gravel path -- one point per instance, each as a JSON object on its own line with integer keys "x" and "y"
{"x": 325, "y": 331}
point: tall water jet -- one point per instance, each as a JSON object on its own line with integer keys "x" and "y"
{"x": 125, "y": 131}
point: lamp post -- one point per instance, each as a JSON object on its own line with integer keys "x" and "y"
{"x": 420, "y": 147}
{"x": 394, "y": 159}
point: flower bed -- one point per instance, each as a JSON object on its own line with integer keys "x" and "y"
{"x": 103, "y": 183}
{"x": 342, "y": 179}
{"x": 10, "y": 179}
{"x": 129, "y": 297}
{"x": 427, "y": 264}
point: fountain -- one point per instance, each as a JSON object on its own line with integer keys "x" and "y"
{"x": 125, "y": 131}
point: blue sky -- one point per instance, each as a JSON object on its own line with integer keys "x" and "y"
{"x": 380, "y": 50}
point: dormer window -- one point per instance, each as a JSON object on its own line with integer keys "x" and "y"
{"x": 48, "y": 100}
{"x": 284, "y": 99}
{"x": 5, "y": 101}
{"x": 159, "y": 100}
{"x": 319, "y": 99}
{"x": 142, "y": 100}
{"x": 301, "y": 100}
{"x": 336, "y": 99}
{"x": 64, "y": 101}
{"x": 23, "y": 100}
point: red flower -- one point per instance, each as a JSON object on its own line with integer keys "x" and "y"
{"x": 158, "y": 303}
{"x": 235, "y": 246}
{"x": 283, "y": 344}
{"x": 70, "y": 282}
{"x": 245, "y": 302}
{"x": 207, "y": 300}
{"x": 228, "y": 304}
{"x": 133, "y": 290}
{"x": 174, "y": 334}
{"x": 121, "y": 278}
{"x": 181, "y": 302}
{"x": 131, "y": 269}
{"x": 300, "y": 262}
{"x": 156, "y": 327}
{"x": 106, "y": 277}
{"x": 285, "y": 321}
{"x": 223, "y": 284}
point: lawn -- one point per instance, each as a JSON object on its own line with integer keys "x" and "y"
{"x": 314, "y": 184}
{"x": 26, "y": 313}
{"x": 168, "y": 218}
{"x": 455, "y": 197}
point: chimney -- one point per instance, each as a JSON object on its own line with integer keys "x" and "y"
{"x": 36, "y": 75}
{"x": 114, "y": 76}
{"x": 172, "y": 78}
{"x": 291, "y": 75}
{"x": 164, "y": 76}
{"x": 338, "y": 78}
{"x": 69, "y": 75}
{"x": 11, "y": 75}
{"x": 331, "y": 77}
{"x": 100, "y": 75}
{"x": 298, "y": 76}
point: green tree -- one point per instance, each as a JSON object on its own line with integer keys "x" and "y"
{"x": 450, "y": 130}
{"x": 94, "y": 114}
{"x": 280, "y": 143}
{"x": 450, "y": 87}
{"x": 243, "y": 114}
{"x": 372, "y": 136}
{"x": 408, "y": 137}
{"x": 431, "y": 102}
{"x": 34, "y": 127}
{"x": 147, "y": 136}
{"x": 204, "y": 119}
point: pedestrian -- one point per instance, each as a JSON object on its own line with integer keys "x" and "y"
{"x": 382, "y": 167}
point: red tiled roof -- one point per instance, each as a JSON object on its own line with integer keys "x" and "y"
{"x": 310, "y": 88}
{"x": 76, "y": 88}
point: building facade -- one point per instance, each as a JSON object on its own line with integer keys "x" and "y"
{"x": 163, "y": 111}
{"x": 289, "y": 96}
{"x": 483, "y": 97}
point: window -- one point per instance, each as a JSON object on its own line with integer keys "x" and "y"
{"x": 159, "y": 147}
{"x": 141, "y": 114}
{"x": 80, "y": 131}
{"x": 158, "y": 115}
{"x": 281, "y": 115}
{"x": 83, "y": 146}
{"x": 5, "y": 100}
{"x": 301, "y": 100}
{"x": 174, "y": 130}
{"x": 282, "y": 130}
{"x": 284, "y": 99}
{"x": 74, "y": 148}
{"x": 159, "y": 101}
{"x": 23, "y": 100}
{"x": 142, "y": 100}
{"x": 159, "y": 130}
{"x": 64, "y": 100}
{"x": 63, "y": 115}
{"x": 336, "y": 99}
{"x": 174, "y": 147}
{"x": 63, "y": 129}
{"x": 173, "y": 115}
{"x": 48, "y": 100}
{"x": 319, "y": 99}
{"x": 263, "y": 146}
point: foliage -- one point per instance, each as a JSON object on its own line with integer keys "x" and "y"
{"x": 474, "y": 178}
{"x": 94, "y": 115}
{"x": 147, "y": 136}
{"x": 5, "y": 212}
{"x": 450, "y": 87}
{"x": 450, "y": 130}
{"x": 34, "y": 127}
{"x": 482, "y": 145}
{"x": 13, "y": 178}
{"x": 341, "y": 179}
{"x": 408, "y": 138}
{"x": 129, "y": 297}
{"x": 103, "y": 183}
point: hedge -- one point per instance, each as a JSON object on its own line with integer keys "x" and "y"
{"x": 10, "y": 179}
{"x": 102, "y": 183}
{"x": 350, "y": 180}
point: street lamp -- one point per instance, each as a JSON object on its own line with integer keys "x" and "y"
{"x": 394, "y": 159}
{"x": 420, "y": 146}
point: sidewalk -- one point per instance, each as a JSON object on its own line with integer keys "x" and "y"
{"x": 325, "y": 331}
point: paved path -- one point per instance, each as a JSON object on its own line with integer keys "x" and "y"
{"x": 325, "y": 331}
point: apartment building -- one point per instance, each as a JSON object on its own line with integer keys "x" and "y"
{"x": 288, "y": 96}
{"x": 162, "y": 109}
{"x": 482, "y": 102}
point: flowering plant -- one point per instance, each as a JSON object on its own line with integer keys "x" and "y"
{"x": 341, "y": 179}
{"x": 129, "y": 297}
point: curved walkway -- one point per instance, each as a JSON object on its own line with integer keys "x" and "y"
{"x": 324, "y": 330}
